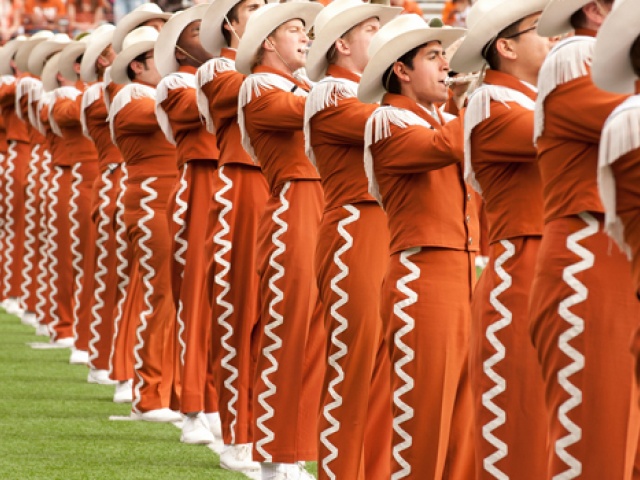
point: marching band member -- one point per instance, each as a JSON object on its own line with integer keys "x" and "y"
{"x": 582, "y": 282}
{"x": 352, "y": 249}
{"x": 150, "y": 162}
{"x": 178, "y": 53}
{"x": 500, "y": 163}
{"x": 240, "y": 193}
{"x": 270, "y": 114}
{"x": 413, "y": 159}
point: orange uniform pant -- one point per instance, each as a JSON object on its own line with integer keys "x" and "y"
{"x": 189, "y": 212}
{"x": 145, "y": 217}
{"x": 506, "y": 379}
{"x": 15, "y": 177}
{"x": 106, "y": 190}
{"x": 45, "y": 194}
{"x": 32, "y": 229}
{"x": 83, "y": 248}
{"x": 289, "y": 369}
{"x": 240, "y": 196}
{"x": 425, "y": 304}
{"x": 128, "y": 291}
{"x": 355, "y": 410}
{"x": 583, "y": 315}
{"x": 60, "y": 265}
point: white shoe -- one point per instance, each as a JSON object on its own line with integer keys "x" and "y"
{"x": 11, "y": 305}
{"x": 195, "y": 430}
{"x": 101, "y": 377}
{"x": 124, "y": 392}
{"x": 29, "y": 318}
{"x": 160, "y": 415}
{"x": 66, "y": 342}
{"x": 79, "y": 357}
{"x": 214, "y": 424}
{"x": 238, "y": 458}
{"x": 285, "y": 471}
{"x": 42, "y": 330}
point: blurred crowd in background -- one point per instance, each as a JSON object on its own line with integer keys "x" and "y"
{"x": 18, "y": 17}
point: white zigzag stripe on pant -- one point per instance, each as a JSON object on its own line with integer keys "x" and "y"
{"x": 101, "y": 270}
{"x": 276, "y": 321}
{"x": 52, "y": 253}
{"x": 409, "y": 355}
{"x": 3, "y": 157}
{"x": 9, "y": 224}
{"x": 342, "y": 349}
{"x": 225, "y": 247}
{"x": 178, "y": 256}
{"x": 577, "y": 328}
{"x": 30, "y": 224}
{"x": 500, "y": 383}
{"x": 123, "y": 278}
{"x": 148, "y": 273}
{"x": 43, "y": 237}
{"x": 75, "y": 247}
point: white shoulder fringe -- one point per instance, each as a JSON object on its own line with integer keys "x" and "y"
{"x": 70, "y": 93}
{"x": 171, "y": 82}
{"x": 568, "y": 60}
{"x": 106, "y": 80}
{"x": 90, "y": 96}
{"x": 377, "y": 128}
{"x": 23, "y": 87}
{"x": 326, "y": 93}
{"x": 479, "y": 110}
{"x": 124, "y": 97}
{"x": 45, "y": 99}
{"x": 620, "y": 135}
{"x": 204, "y": 75}
{"x": 7, "y": 79}
{"x": 34, "y": 96}
{"x": 251, "y": 88}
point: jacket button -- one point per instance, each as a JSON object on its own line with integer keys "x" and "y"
{"x": 470, "y": 240}
{"x": 468, "y": 197}
{"x": 467, "y": 218}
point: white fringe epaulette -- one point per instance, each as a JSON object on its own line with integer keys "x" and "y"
{"x": 90, "y": 96}
{"x": 171, "y": 82}
{"x": 70, "y": 93}
{"x": 620, "y": 135}
{"x": 129, "y": 92}
{"x": 106, "y": 80}
{"x": 7, "y": 79}
{"x": 22, "y": 88}
{"x": 326, "y": 93}
{"x": 252, "y": 87}
{"x": 479, "y": 110}
{"x": 568, "y": 60}
{"x": 45, "y": 99}
{"x": 205, "y": 74}
{"x": 33, "y": 97}
{"x": 378, "y": 127}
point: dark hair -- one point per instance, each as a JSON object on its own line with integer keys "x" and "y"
{"x": 579, "y": 18}
{"x": 390, "y": 80}
{"x": 490, "y": 50}
{"x": 140, "y": 58}
{"x": 635, "y": 56}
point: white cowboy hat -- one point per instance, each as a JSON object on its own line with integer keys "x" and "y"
{"x": 611, "y": 69}
{"x": 44, "y": 50}
{"x": 266, "y": 20}
{"x": 7, "y": 53}
{"x": 135, "y": 18}
{"x": 69, "y": 55}
{"x": 335, "y": 20}
{"x": 99, "y": 40}
{"x": 556, "y": 17}
{"x": 139, "y": 41}
{"x": 396, "y": 38}
{"x": 165, "y": 50}
{"x": 486, "y": 19}
{"x": 25, "y": 49}
{"x": 49, "y": 75}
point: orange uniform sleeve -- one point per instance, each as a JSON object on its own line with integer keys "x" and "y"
{"x": 138, "y": 116}
{"x": 275, "y": 109}
{"x": 223, "y": 101}
{"x": 343, "y": 123}
{"x": 183, "y": 105}
{"x": 7, "y": 94}
{"x": 418, "y": 149}
{"x": 513, "y": 125}
{"x": 66, "y": 112}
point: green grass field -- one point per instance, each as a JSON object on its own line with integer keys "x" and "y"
{"x": 54, "y": 425}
